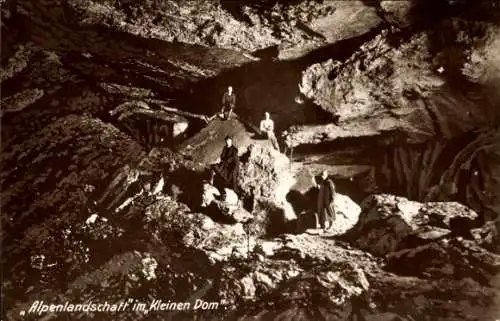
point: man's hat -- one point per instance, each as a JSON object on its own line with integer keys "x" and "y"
{"x": 228, "y": 137}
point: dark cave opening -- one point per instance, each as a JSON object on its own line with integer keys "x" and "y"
{"x": 268, "y": 85}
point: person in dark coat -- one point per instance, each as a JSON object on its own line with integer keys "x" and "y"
{"x": 325, "y": 201}
{"x": 228, "y": 103}
{"x": 228, "y": 168}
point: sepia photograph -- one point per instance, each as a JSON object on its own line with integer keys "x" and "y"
{"x": 250, "y": 160}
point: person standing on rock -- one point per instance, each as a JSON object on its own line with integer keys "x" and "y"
{"x": 228, "y": 103}
{"x": 267, "y": 129}
{"x": 325, "y": 201}
{"x": 228, "y": 166}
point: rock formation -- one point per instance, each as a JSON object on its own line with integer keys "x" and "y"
{"x": 422, "y": 98}
{"x": 388, "y": 222}
{"x": 410, "y": 88}
{"x": 245, "y": 26}
{"x": 106, "y": 144}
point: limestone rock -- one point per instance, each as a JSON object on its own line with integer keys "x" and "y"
{"x": 149, "y": 266}
{"x": 336, "y": 284}
{"x": 347, "y": 214}
{"x": 268, "y": 248}
{"x": 248, "y": 287}
{"x": 389, "y": 222}
{"x": 443, "y": 213}
{"x": 196, "y": 231}
{"x": 266, "y": 172}
{"x": 242, "y": 27}
{"x": 447, "y": 258}
{"x": 488, "y": 236}
{"x": 401, "y": 87}
{"x": 398, "y": 12}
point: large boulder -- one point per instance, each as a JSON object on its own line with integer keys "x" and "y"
{"x": 488, "y": 236}
{"x": 347, "y": 214}
{"x": 404, "y": 13}
{"x": 334, "y": 287}
{"x": 447, "y": 258}
{"x": 266, "y": 173}
{"x": 175, "y": 223}
{"x": 398, "y": 12}
{"x": 293, "y": 267}
{"x": 417, "y": 298}
{"x": 308, "y": 249}
{"x": 389, "y": 222}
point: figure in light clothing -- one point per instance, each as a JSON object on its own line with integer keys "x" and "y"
{"x": 267, "y": 129}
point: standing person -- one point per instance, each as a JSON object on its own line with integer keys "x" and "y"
{"x": 267, "y": 129}
{"x": 228, "y": 103}
{"x": 229, "y": 164}
{"x": 325, "y": 201}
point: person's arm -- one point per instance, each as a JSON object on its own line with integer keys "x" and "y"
{"x": 314, "y": 182}
{"x": 223, "y": 155}
{"x": 232, "y": 100}
{"x": 271, "y": 126}
{"x": 262, "y": 129}
{"x": 234, "y": 155}
{"x": 231, "y": 157}
{"x": 332, "y": 189}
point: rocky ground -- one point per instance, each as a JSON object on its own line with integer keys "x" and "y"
{"x": 105, "y": 148}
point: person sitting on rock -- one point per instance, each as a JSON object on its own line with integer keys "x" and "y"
{"x": 325, "y": 201}
{"x": 228, "y": 103}
{"x": 228, "y": 167}
{"x": 267, "y": 129}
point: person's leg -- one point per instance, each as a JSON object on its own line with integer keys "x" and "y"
{"x": 321, "y": 217}
{"x": 229, "y": 113}
{"x": 274, "y": 141}
{"x": 330, "y": 211}
{"x": 234, "y": 181}
{"x": 212, "y": 176}
{"x": 219, "y": 179}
